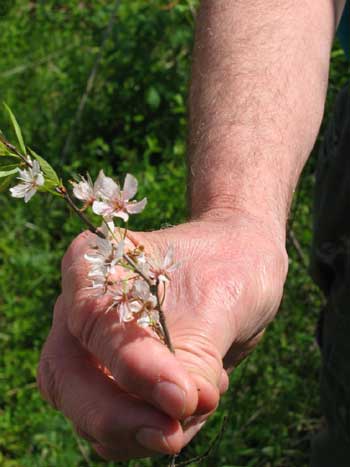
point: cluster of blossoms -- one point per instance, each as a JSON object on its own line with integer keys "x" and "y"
{"x": 130, "y": 278}
{"x": 133, "y": 281}
{"x": 117, "y": 268}
{"x": 107, "y": 198}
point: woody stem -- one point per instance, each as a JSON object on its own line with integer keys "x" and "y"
{"x": 154, "y": 291}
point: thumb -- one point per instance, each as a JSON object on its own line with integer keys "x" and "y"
{"x": 204, "y": 364}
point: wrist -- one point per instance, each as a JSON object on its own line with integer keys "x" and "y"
{"x": 232, "y": 175}
{"x": 230, "y": 210}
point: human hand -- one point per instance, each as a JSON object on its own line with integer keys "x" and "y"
{"x": 110, "y": 379}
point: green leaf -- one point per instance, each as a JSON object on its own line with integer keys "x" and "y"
{"x": 5, "y": 182}
{"x": 51, "y": 177}
{"x": 7, "y": 162}
{"x": 7, "y": 168}
{"x": 17, "y": 129}
{"x": 6, "y": 173}
{"x": 3, "y": 149}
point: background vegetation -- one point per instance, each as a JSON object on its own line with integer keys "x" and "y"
{"x": 93, "y": 90}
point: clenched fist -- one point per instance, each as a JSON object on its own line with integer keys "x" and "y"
{"x": 118, "y": 384}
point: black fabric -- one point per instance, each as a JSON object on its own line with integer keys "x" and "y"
{"x": 330, "y": 268}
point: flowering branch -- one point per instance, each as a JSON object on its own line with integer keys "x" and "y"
{"x": 136, "y": 297}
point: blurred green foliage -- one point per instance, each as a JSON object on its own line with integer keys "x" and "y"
{"x": 134, "y": 120}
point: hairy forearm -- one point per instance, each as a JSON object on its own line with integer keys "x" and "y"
{"x": 259, "y": 80}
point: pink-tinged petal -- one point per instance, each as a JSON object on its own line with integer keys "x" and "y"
{"x": 129, "y": 188}
{"x": 108, "y": 189}
{"x": 122, "y": 214}
{"x": 136, "y": 207}
{"x": 25, "y": 176}
{"x": 118, "y": 254}
{"x": 40, "y": 179}
{"x": 18, "y": 191}
{"x": 83, "y": 190}
{"x": 93, "y": 258}
{"x": 135, "y": 306}
{"x": 35, "y": 167}
{"x": 29, "y": 194}
{"x": 102, "y": 208}
{"x": 125, "y": 314}
{"x": 144, "y": 321}
{"x": 144, "y": 268}
{"x": 169, "y": 257}
{"x": 99, "y": 183}
{"x": 141, "y": 289}
{"x": 104, "y": 246}
{"x": 173, "y": 267}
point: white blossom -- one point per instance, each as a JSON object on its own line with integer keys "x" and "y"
{"x": 160, "y": 270}
{"x": 99, "y": 284}
{"x": 105, "y": 257}
{"x": 125, "y": 303}
{"x": 116, "y": 202}
{"x": 87, "y": 191}
{"x": 31, "y": 179}
{"x": 142, "y": 292}
{"x": 147, "y": 313}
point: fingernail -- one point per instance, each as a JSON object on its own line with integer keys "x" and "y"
{"x": 170, "y": 398}
{"x": 152, "y": 439}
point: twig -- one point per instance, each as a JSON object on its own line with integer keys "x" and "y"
{"x": 13, "y": 148}
{"x": 63, "y": 191}
{"x": 298, "y": 248}
{"x": 90, "y": 82}
{"x": 162, "y": 320}
{"x": 154, "y": 290}
{"x": 209, "y": 450}
{"x": 82, "y": 450}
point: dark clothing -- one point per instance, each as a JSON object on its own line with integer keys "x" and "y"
{"x": 330, "y": 267}
{"x": 344, "y": 29}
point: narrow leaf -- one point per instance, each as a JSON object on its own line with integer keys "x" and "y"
{"x": 17, "y": 130}
{"x": 3, "y": 149}
{"x": 7, "y": 161}
{"x": 51, "y": 177}
{"x": 6, "y": 173}
{"x": 6, "y": 168}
